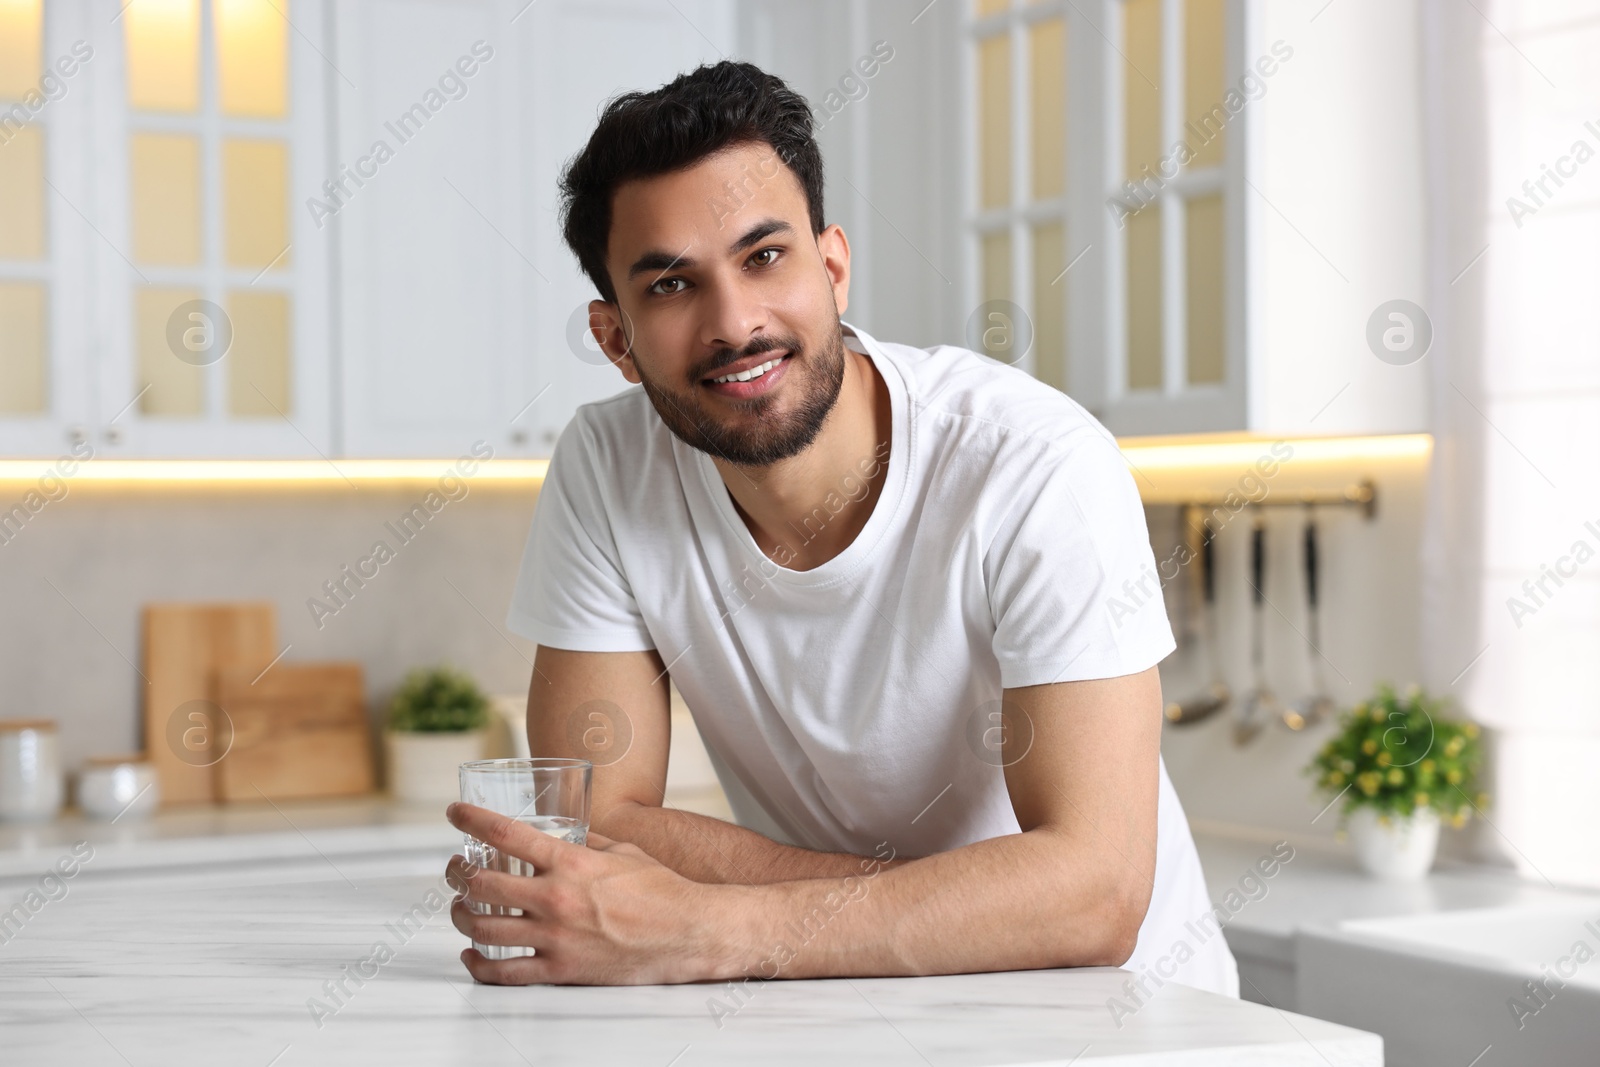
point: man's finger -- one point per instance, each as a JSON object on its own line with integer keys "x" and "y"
{"x": 520, "y": 930}
{"x": 523, "y": 970}
{"x": 497, "y": 887}
{"x": 508, "y": 835}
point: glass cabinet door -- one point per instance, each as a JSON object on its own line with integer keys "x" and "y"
{"x": 220, "y": 333}
{"x": 43, "y": 393}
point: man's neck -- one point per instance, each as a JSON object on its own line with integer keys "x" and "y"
{"x": 793, "y": 508}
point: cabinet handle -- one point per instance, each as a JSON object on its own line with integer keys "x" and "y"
{"x": 112, "y": 435}
{"x": 77, "y": 435}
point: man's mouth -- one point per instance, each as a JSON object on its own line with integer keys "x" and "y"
{"x": 752, "y": 379}
{"x": 753, "y": 372}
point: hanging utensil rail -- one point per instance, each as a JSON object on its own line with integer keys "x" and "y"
{"x": 1362, "y": 494}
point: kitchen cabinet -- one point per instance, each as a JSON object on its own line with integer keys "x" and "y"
{"x": 433, "y": 258}
{"x": 463, "y": 312}
{"x": 45, "y": 399}
{"x": 161, "y": 294}
{"x": 1196, "y": 228}
{"x": 332, "y": 231}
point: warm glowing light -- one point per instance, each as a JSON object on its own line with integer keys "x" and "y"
{"x": 163, "y": 54}
{"x": 1200, "y": 456}
{"x": 253, "y": 57}
{"x": 241, "y": 472}
{"x": 1231, "y": 450}
{"x": 20, "y": 27}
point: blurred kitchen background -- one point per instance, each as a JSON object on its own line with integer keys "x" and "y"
{"x": 274, "y": 271}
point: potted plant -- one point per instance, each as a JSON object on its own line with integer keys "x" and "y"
{"x": 439, "y": 720}
{"x": 1400, "y": 765}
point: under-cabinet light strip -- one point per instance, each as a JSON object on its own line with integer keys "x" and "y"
{"x": 1145, "y": 453}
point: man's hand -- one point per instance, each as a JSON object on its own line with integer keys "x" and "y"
{"x": 606, "y": 914}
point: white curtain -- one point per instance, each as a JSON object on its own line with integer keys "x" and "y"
{"x": 1511, "y": 542}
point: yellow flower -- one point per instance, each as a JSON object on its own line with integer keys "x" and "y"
{"x": 1421, "y": 800}
{"x": 1396, "y": 776}
{"x": 1336, "y": 778}
{"x": 1377, "y": 714}
{"x": 1454, "y": 747}
{"x": 1369, "y": 746}
{"x": 1458, "y": 820}
{"x": 1470, "y": 729}
{"x": 1384, "y": 759}
{"x": 1453, "y": 776}
{"x": 1427, "y": 766}
{"x": 1483, "y": 800}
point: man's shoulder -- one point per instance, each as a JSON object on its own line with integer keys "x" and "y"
{"x": 615, "y": 431}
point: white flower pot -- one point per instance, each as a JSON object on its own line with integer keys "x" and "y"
{"x": 1402, "y": 850}
{"x": 425, "y": 767}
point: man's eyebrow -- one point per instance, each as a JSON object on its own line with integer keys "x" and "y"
{"x": 660, "y": 261}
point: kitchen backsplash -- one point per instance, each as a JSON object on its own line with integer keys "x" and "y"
{"x": 73, "y": 584}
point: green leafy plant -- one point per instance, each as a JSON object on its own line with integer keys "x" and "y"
{"x": 1398, "y": 754}
{"x": 438, "y": 700}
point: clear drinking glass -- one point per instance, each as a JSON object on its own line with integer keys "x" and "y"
{"x": 550, "y": 795}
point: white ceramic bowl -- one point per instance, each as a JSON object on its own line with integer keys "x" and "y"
{"x": 125, "y": 787}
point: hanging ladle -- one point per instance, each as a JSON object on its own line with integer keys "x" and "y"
{"x": 1260, "y": 704}
{"x": 1318, "y": 705}
{"x": 1216, "y": 695}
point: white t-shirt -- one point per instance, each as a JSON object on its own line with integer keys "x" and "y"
{"x": 852, "y": 704}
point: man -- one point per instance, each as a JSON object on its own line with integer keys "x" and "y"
{"x": 883, "y": 579}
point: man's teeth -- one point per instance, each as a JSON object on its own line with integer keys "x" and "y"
{"x": 753, "y": 372}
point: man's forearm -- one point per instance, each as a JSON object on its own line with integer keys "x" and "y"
{"x": 705, "y": 849}
{"x": 1018, "y": 902}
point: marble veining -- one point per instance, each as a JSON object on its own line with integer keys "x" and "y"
{"x": 239, "y": 965}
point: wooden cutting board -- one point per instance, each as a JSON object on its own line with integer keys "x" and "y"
{"x": 184, "y": 647}
{"x": 300, "y": 730}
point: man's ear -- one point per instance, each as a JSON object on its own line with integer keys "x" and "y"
{"x": 834, "y": 248}
{"x": 612, "y": 331}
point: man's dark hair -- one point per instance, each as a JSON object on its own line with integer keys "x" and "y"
{"x": 642, "y": 135}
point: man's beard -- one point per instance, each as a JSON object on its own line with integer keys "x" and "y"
{"x": 765, "y": 438}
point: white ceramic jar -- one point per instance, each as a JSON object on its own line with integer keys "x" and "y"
{"x": 118, "y": 787}
{"x": 30, "y": 769}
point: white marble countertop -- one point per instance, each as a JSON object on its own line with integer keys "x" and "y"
{"x": 1322, "y": 887}
{"x": 234, "y": 833}
{"x": 212, "y": 959}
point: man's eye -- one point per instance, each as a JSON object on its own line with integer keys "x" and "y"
{"x": 763, "y": 252}
{"x": 667, "y": 281}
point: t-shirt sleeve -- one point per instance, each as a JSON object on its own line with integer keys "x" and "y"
{"x": 572, "y": 591}
{"x": 1071, "y": 576}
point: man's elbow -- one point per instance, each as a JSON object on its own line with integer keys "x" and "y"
{"x": 613, "y": 821}
{"x": 1124, "y": 905}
